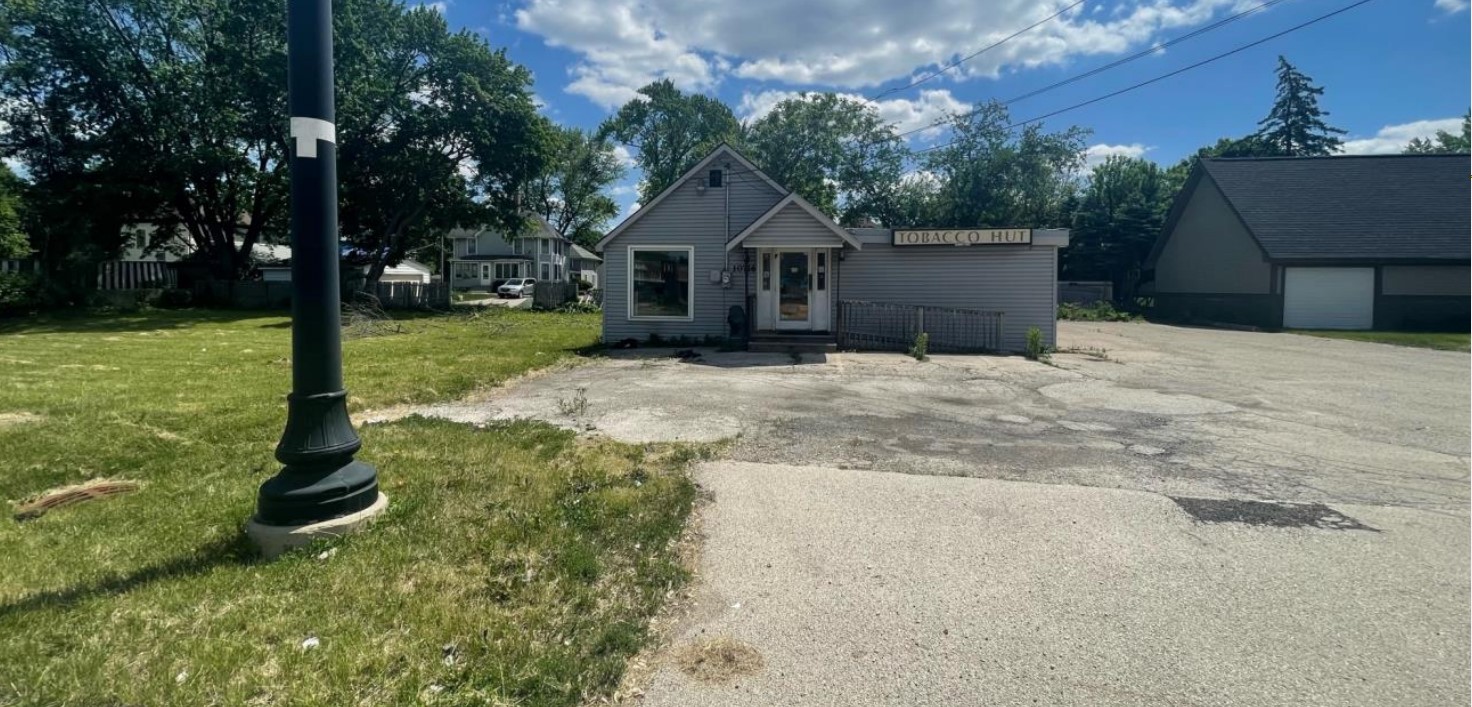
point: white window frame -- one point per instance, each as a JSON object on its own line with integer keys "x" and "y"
{"x": 689, "y": 285}
{"x": 470, "y": 245}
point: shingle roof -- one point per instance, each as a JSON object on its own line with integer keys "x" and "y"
{"x": 1379, "y": 207}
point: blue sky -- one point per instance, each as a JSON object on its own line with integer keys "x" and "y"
{"x": 1392, "y": 69}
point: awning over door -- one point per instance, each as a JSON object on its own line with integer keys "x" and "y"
{"x": 793, "y": 223}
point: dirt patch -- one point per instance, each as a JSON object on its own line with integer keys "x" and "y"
{"x": 718, "y": 660}
{"x": 18, "y": 418}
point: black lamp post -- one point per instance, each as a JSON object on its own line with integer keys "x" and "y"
{"x": 320, "y": 480}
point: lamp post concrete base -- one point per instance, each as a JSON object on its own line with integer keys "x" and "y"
{"x": 276, "y": 539}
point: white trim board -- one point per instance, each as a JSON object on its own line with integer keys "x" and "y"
{"x": 699, "y": 166}
{"x": 811, "y": 210}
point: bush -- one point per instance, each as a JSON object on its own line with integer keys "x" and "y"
{"x": 580, "y": 307}
{"x": 921, "y": 346}
{"x": 1035, "y": 348}
{"x": 1102, "y": 311}
{"x": 176, "y": 298}
{"x": 20, "y": 293}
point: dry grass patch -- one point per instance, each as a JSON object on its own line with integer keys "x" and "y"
{"x": 718, "y": 660}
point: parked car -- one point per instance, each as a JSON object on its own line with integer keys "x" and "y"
{"x": 517, "y": 287}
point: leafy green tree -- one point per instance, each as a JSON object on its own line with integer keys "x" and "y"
{"x": 1118, "y": 217}
{"x": 570, "y": 193}
{"x": 436, "y": 131}
{"x": 672, "y": 130}
{"x": 13, "y": 240}
{"x": 991, "y": 175}
{"x": 1295, "y": 126}
{"x": 1444, "y": 143}
{"x": 172, "y": 106}
{"x": 833, "y": 150}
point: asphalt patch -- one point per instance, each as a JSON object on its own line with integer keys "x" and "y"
{"x": 1265, "y": 513}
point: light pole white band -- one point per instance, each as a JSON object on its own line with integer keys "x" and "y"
{"x": 308, "y": 131}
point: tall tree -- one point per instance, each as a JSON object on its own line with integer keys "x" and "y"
{"x": 437, "y": 131}
{"x": 671, "y": 130}
{"x": 1444, "y": 143}
{"x": 571, "y": 192}
{"x": 833, "y": 150}
{"x": 992, "y": 175}
{"x": 1118, "y": 218}
{"x": 13, "y": 240}
{"x": 175, "y": 105}
{"x": 1295, "y": 126}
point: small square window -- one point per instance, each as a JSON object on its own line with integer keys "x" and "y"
{"x": 715, "y": 180}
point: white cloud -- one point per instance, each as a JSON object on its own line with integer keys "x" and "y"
{"x": 624, "y": 155}
{"x": 1392, "y": 139}
{"x": 622, "y": 190}
{"x": 905, "y": 114}
{"x": 1096, "y": 154}
{"x": 632, "y": 208}
{"x": 439, "y": 7}
{"x": 1451, "y": 7}
{"x": 625, "y": 44}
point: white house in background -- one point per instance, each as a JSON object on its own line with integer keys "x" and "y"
{"x": 586, "y": 264}
{"x": 483, "y": 258}
{"x": 406, "y": 271}
{"x": 138, "y": 266}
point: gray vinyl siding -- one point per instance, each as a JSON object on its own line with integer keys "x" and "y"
{"x": 687, "y": 217}
{"x": 1016, "y": 280}
{"x": 792, "y": 226}
{"x": 1424, "y": 280}
{"x": 1210, "y": 251}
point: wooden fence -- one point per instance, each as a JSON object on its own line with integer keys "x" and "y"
{"x": 135, "y": 275}
{"x": 277, "y": 295}
{"x": 551, "y": 295}
{"x": 893, "y": 327}
{"x": 1085, "y": 292}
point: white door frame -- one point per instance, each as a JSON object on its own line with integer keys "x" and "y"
{"x": 487, "y": 273}
{"x": 805, "y": 324}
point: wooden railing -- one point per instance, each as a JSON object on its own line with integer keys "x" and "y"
{"x": 893, "y": 327}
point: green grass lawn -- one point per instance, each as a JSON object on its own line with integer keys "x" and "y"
{"x": 517, "y": 564}
{"x": 1445, "y": 341}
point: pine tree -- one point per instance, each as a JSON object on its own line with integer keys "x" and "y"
{"x": 1295, "y": 127}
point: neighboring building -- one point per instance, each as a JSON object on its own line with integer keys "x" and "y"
{"x": 1319, "y": 243}
{"x": 726, "y": 237}
{"x": 484, "y": 258}
{"x": 586, "y": 264}
{"x": 406, "y": 271}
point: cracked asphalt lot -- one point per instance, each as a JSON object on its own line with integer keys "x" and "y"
{"x": 990, "y": 530}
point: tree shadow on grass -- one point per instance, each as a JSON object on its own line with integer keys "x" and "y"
{"x": 233, "y": 550}
{"x": 81, "y": 321}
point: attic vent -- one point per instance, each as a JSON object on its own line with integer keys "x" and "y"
{"x": 715, "y": 179}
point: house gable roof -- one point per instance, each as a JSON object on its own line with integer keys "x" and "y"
{"x": 794, "y": 200}
{"x": 582, "y": 253}
{"x": 700, "y": 166}
{"x": 1343, "y": 208}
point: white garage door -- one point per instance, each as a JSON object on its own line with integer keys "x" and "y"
{"x": 1329, "y": 298}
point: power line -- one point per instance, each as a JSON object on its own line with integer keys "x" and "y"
{"x": 1099, "y": 70}
{"x": 1177, "y": 72}
{"x": 976, "y": 53}
{"x": 1163, "y": 45}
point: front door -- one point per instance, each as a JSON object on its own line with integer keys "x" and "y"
{"x": 794, "y": 289}
{"x": 485, "y": 273}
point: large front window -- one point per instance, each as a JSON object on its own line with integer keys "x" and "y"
{"x": 659, "y": 283}
{"x": 506, "y": 271}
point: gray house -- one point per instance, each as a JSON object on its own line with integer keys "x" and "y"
{"x": 725, "y": 251}
{"x": 484, "y": 258}
{"x": 586, "y": 264}
{"x": 1319, "y": 243}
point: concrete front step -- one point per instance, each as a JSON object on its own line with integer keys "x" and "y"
{"x": 792, "y": 343}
